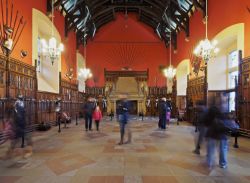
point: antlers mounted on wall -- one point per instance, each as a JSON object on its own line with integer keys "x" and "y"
{"x": 11, "y": 27}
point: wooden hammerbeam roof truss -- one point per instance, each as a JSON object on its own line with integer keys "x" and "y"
{"x": 85, "y": 17}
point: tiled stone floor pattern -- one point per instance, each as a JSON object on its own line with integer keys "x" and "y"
{"x": 76, "y": 156}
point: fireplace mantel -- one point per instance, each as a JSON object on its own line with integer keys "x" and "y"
{"x": 133, "y": 83}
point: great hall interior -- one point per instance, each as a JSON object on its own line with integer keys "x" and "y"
{"x": 185, "y": 58}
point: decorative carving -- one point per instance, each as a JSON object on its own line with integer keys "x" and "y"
{"x": 2, "y": 63}
{"x": 1, "y": 77}
{"x": 245, "y": 67}
{"x": 246, "y": 80}
{"x": 196, "y": 90}
{"x": 196, "y": 64}
{"x": 12, "y": 66}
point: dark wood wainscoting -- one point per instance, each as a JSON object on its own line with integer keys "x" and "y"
{"x": 243, "y": 102}
{"x": 18, "y": 78}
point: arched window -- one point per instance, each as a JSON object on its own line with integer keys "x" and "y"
{"x": 232, "y": 72}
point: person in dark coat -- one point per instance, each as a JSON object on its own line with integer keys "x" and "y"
{"x": 123, "y": 115}
{"x": 88, "y": 111}
{"x": 19, "y": 123}
{"x": 216, "y": 133}
{"x": 20, "y": 117}
{"x": 162, "y": 113}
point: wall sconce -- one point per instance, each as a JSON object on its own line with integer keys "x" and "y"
{"x": 23, "y": 53}
{"x": 70, "y": 74}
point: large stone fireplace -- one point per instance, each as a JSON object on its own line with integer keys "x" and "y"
{"x": 133, "y": 83}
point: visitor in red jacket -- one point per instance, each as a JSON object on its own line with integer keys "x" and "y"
{"x": 97, "y": 116}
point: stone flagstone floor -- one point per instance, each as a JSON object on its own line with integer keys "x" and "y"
{"x": 93, "y": 157}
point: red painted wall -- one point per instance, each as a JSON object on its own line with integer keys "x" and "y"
{"x": 126, "y": 42}
{"x": 129, "y": 42}
{"x": 221, "y": 14}
{"x": 25, "y": 42}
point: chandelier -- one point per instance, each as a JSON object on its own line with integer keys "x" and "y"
{"x": 85, "y": 74}
{"x": 170, "y": 71}
{"x": 206, "y": 49}
{"x": 51, "y": 49}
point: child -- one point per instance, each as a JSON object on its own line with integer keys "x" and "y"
{"x": 97, "y": 116}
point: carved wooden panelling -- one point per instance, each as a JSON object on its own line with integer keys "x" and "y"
{"x": 196, "y": 90}
{"x": 245, "y": 66}
{"x": 70, "y": 98}
{"x": 158, "y": 91}
{"x": 94, "y": 91}
{"x": 2, "y": 77}
{"x": 39, "y": 106}
{"x": 46, "y": 107}
{"x": 2, "y": 62}
{"x": 244, "y": 94}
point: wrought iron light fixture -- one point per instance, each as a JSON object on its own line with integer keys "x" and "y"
{"x": 206, "y": 49}
{"x": 170, "y": 71}
{"x": 51, "y": 49}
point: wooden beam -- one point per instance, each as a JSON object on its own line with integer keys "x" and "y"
{"x": 200, "y": 6}
{"x": 102, "y": 17}
{"x": 49, "y": 6}
{"x": 57, "y": 3}
{"x": 155, "y": 15}
{"x": 104, "y": 20}
{"x": 101, "y": 12}
{"x": 159, "y": 8}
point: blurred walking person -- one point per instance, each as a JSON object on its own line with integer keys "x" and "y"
{"x": 202, "y": 123}
{"x": 217, "y": 136}
{"x": 19, "y": 125}
{"x": 162, "y": 113}
{"x": 168, "y": 111}
{"x": 123, "y": 115}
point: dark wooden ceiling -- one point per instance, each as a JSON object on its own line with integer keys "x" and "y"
{"x": 85, "y": 17}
